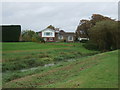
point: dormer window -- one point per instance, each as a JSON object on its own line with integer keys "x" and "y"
{"x": 48, "y": 33}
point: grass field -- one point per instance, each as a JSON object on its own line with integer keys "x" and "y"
{"x": 17, "y": 56}
{"x": 74, "y": 66}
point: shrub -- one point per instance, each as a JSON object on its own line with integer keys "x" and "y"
{"x": 36, "y": 38}
{"x": 90, "y": 46}
{"x": 42, "y": 40}
{"x": 83, "y": 41}
{"x": 27, "y": 35}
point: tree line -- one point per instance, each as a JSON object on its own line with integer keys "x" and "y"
{"x": 103, "y": 32}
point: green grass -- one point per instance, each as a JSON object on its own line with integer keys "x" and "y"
{"x": 22, "y": 55}
{"x": 98, "y": 71}
{"x": 85, "y": 71}
{"x": 34, "y": 46}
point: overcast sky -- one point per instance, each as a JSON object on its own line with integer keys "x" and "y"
{"x": 64, "y": 15}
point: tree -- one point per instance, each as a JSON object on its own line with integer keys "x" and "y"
{"x": 27, "y": 35}
{"x": 35, "y": 38}
{"x": 97, "y": 18}
{"x": 105, "y": 35}
{"x": 85, "y": 25}
{"x": 82, "y": 29}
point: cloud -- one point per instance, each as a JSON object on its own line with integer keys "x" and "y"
{"x": 65, "y": 15}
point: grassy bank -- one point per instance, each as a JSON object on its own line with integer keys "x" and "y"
{"x": 98, "y": 71}
{"x": 74, "y": 66}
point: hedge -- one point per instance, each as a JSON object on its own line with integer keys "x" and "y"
{"x": 10, "y": 33}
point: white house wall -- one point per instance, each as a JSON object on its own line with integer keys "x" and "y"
{"x": 48, "y": 30}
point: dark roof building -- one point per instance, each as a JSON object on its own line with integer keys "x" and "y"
{"x": 57, "y": 35}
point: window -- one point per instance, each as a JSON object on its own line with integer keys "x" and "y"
{"x": 51, "y": 39}
{"x": 60, "y": 37}
{"x": 48, "y": 33}
{"x": 70, "y": 38}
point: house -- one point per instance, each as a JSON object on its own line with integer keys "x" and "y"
{"x": 50, "y": 35}
{"x": 66, "y": 36}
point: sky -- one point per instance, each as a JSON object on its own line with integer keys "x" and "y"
{"x": 64, "y": 15}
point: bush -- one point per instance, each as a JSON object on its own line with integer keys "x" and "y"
{"x": 27, "y": 35}
{"x": 42, "y": 40}
{"x": 84, "y": 41}
{"x": 36, "y": 38}
{"x": 90, "y": 46}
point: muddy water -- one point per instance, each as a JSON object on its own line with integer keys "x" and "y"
{"x": 46, "y": 65}
{"x": 34, "y": 68}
